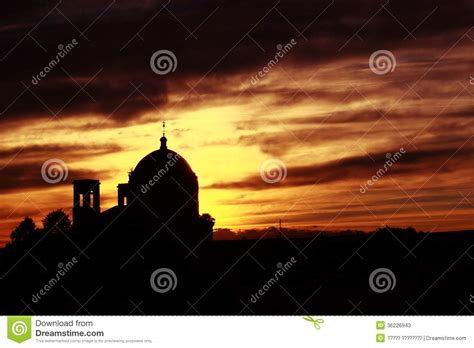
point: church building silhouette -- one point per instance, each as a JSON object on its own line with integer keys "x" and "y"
{"x": 162, "y": 191}
{"x": 156, "y": 228}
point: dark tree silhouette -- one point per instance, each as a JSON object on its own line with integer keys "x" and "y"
{"x": 23, "y": 231}
{"x": 207, "y": 222}
{"x": 57, "y": 221}
{"x": 209, "y": 219}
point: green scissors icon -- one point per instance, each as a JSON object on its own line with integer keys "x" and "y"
{"x": 316, "y": 322}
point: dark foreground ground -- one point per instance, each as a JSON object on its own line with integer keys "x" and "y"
{"x": 432, "y": 274}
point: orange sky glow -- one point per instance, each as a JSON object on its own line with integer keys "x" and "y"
{"x": 321, "y": 111}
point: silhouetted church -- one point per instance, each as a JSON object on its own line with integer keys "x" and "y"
{"x": 162, "y": 191}
{"x": 156, "y": 227}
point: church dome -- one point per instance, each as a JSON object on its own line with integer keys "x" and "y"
{"x": 161, "y": 164}
{"x": 165, "y": 182}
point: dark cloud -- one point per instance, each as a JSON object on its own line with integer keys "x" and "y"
{"x": 362, "y": 168}
{"x": 219, "y": 46}
{"x": 20, "y": 167}
{"x": 27, "y": 176}
{"x": 280, "y": 143}
{"x": 463, "y": 113}
{"x": 121, "y": 40}
{"x": 73, "y": 152}
{"x": 353, "y": 126}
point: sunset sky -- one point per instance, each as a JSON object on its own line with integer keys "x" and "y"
{"x": 320, "y": 110}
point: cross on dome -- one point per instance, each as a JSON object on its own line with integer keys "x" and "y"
{"x": 163, "y": 139}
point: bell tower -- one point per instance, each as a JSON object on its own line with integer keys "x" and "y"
{"x": 86, "y": 200}
{"x": 123, "y": 194}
